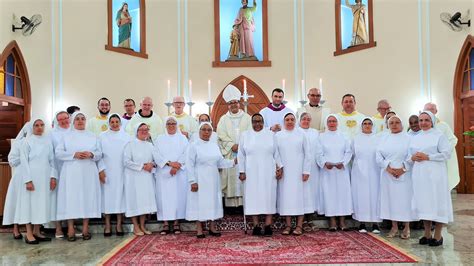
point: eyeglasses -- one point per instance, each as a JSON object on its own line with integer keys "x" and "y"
{"x": 366, "y": 123}
{"x": 314, "y": 95}
{"x": 171, "y": 124}
{"x": 206, "y": 129}
{"x": 178, "y": 103}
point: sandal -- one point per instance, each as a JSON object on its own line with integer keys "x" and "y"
{"x": 165, "y": 230}
{"x": 405, "y": 235}
{"x": 176, "y": 229}
{"x": 287, "y": 231}
{"x": 307, "y": 227}
{"x": 332, "y": 229}
{"x": 87, "y": 236}
{"x": 392, "y": 234}
{"x": 298, "y": 231}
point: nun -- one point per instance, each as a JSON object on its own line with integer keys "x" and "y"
{"x": 111, "y": 175}
{"x": 39, "y": 179}
{"x": 203, "y": 118}
{"x": 79, "y": 195}
{"x": 429, "y": 150}
{"x": 294, "y": 149}
{"x": 396, "y": 191}
{"x": 13, "y": 206}
{"x": 61, "y": 125}
{"x": 335, "y": 180}
{"x": 139, "y": 183}
{"x": 414, "y": 126}
{"x": 312, "y": 188}
{"x": 171, "y": 180}
{"x": 258, "y": 164}
{"x": 204, "y": 198}
{"x": 365, "y": 177}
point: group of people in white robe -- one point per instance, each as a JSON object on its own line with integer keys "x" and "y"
{"x": 279, "y": 162}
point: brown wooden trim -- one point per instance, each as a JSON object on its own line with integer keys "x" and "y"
{"x": 217, "y": 37}
{"x": 370, "y": 44}
{"x": 110, "y": 47}
{"x": 13, "y": 49}
{"x": 11, "y": 99}
{"x": 468, "y": 94}
{"x": 457, "y": 99}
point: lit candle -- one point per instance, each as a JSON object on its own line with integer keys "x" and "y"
{"x": 283, "y": 85}
{"x": 245, "y": 87}
{"x": 321, "y": 87}
{"x": 209, "y": 90}
{"x": 302, "y": 89}
{"x": 169, "y": 90}
{"x": 190, "y": 91}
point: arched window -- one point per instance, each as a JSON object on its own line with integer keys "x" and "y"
{"x": 15, "y": 98}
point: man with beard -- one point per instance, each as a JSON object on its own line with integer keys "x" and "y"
{"x": 275, "y": 111}
{"x": 100, "y": 122}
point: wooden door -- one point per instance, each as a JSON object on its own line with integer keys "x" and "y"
{"x": 463, "y": 96}
{"x": 256, "y": 103}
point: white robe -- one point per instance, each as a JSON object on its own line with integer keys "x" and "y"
{"x": 452, "y": 162}
{"x": 202, "y": 163}
{"x": 349, "y": 124}
{"x": 139, "y": 184}
{"x": 195, "y": 137}
{"x": 395, "y": 193}
{"x": 186, "y": 123}
{"x": 379, "y": 123}
{"x": 365, "y": 178}
{"x": 294, "y": 149}
{"x": 79, "y": 185}
{"x": 37, "y": 163}
{"x": 431, "y": 193}
{"x": 11, "y": 210}
{"x": 335, "y": 183}
{"x": 154, "y": 122}
{"x": 112, "y": 144}
{"x": 56, "y": 135}
{"x": 272, "y": 118}
{"x": 98, "y": 124}
{"x": 258, "y": 158}
{"x": 171, "y": 191}
{"x": 312, "y": 187}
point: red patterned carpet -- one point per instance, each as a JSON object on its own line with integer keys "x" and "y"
{"x": 237, "y": 248}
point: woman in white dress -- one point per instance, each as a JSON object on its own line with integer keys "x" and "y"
{"x": 365, "y": 177}
{"x": 312, "y": 188}
{"x": 396, "y": 191}
{"x": 258, "y": 163}
{"x": 294, "y": 149}
{"x": 204, "y": 118}
{"x": 139, "y": 182}
{"x": 61, "y": 125}
{"x": 112, "y": 143}
{"x": 335, "y": 180}
{"x": 204, "y": 199}
{"x": 171, "y": 180}
{"x": 79, "y": 185}
{"x": 414, "y": 126}
{"x": 12, "y": 202}
{"x": 39, "y": 179}
{"x": 429, "y": 151}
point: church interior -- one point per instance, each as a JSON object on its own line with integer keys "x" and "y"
{"x": 60, "y": 53}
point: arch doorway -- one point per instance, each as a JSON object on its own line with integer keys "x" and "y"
{"x": 464, "y": 114}
{"x": 256, "y": 103}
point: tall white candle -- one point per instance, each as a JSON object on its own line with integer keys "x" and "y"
{"x": 190, "y": 91}
{"x": 169, "y": 90}
{"x": 283, "y": 85}
{"x": 321, "y": 87}
{"x": 208, "y": 90}
{"x": 303, "y": 90}
{"x": 245, "y": 86}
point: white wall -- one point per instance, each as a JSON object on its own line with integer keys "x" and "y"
{"x": 390, "y": 70}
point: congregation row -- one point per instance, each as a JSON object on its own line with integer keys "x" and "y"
{"x": 275, "y": 161}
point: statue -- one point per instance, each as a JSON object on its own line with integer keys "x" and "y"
{"x": 359, "y": 28}
{"x": 244, "y": 27}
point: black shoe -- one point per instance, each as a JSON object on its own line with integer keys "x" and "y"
{"x": 362, "y": 228}
{"x": 71, "y": 238}
{"x": 42, "y": 239}
{"x": 375, "y": 229}
{"x": 257, "y": 231}
{"x": 435, "y": 243}
{"x": 214, "y": 233}
{"x": 119, "y": 233}
{"x": 332, "y": 229}
{"x": 87, "y": 236}
{"x": 267, "y": 231}
{"x": 201, "y": 236}
{"x": 33, "y": 242}
{"x": 17, "y": 237}
{"x": 424, "y": 241}
{"x": 107, "y": 234}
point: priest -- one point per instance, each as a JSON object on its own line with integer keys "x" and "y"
{"x": 230, "y": 126}
{"x": 100, "y": 122}
{"x": 147, "y": 116}
{"x": 349, "y": 119}
{"x": 275, "y": 111}
{"x": 315, "y": 109}
{"x": 187, "y": 124}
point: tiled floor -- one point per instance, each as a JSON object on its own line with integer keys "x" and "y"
{"x": 457, "y": 249}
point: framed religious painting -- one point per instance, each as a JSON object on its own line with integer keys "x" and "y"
{"x": 354, "y": 26}
{"x": 240, "y": 33}
{"x": 126, "y": 27}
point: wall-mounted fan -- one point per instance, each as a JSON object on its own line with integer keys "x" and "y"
{"x": 28, "y": 26}
{"x": 454, "y": 22}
